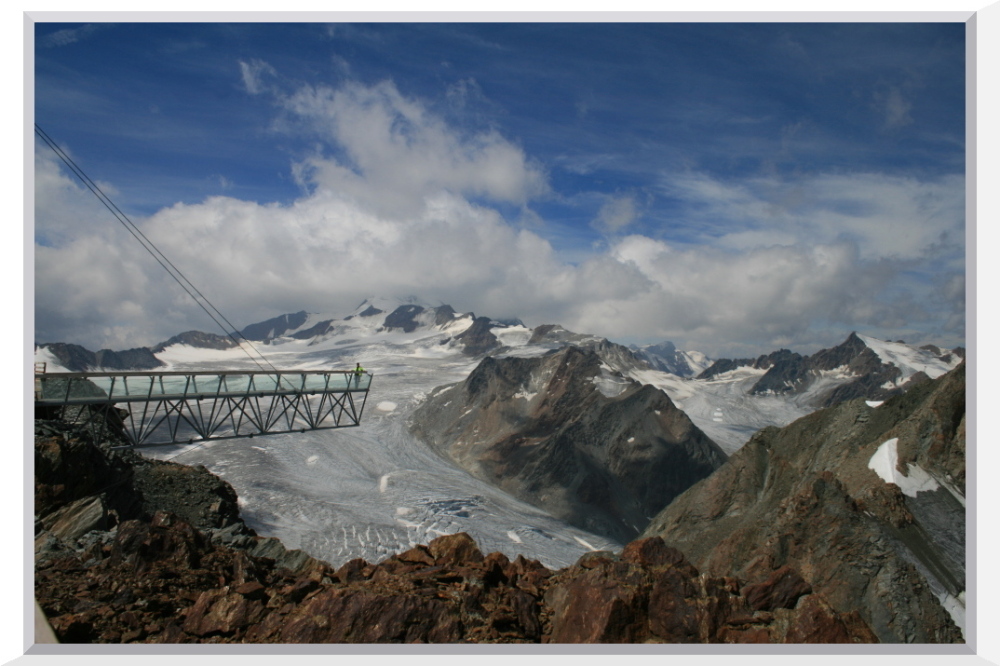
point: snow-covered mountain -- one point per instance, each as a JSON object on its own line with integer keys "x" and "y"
{"x": 375, "y": 489}
{"x": 570, "y": 435}
{"x": 667, "y": 358}
{"x": 861, "y": 366}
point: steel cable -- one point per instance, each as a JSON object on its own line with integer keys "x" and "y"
{"x": 160, "y": 258}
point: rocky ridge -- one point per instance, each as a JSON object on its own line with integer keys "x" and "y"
{"x": 571, "y": 436}
{"x": 197, "y": 339}
{"x": 870, "y": 377}
{"x": 274, "y": 327}
{"x": 808, "y": 496}
{"x": 80, "y": 359}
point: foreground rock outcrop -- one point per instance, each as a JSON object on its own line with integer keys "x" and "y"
{"x": 166, "y": 582}
{"x": 74, "y": 478}
{"x": 571, "y": 436}
{"x": 112, "y": 566}
{"x": 812, "y": 496}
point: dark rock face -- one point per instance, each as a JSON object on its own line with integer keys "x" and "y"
{"x": 555, "y": 334}
{"x": 791, "y": 373}
{"x": 665, "y": 358}
{"x": 198, "y": 339}
{"x": 140, "y": 358}
{"x": 275, "y": 327}
{"x": 782, "y": 357}
{"x": 321, "y": 328}
{"x": 543, "y": 430}
{"x": 79, "y": 359}
{"x": 478, "y": 339}
{"x": 786, "y": 373}
{"x": 370, "y": 311}
{"x": 804, "y": 497}
{"x": 443, "y": 314}
{"x": 69, "y": 468}
{"x": 403, "y": 318}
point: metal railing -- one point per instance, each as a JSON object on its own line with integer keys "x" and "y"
{"x": 185, "y": 407}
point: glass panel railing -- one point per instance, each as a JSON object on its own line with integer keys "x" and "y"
{"x": 128, "y": 386}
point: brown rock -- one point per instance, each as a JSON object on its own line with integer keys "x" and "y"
{"x": 354, "y": 570}
{"x": 653, "y": 552}
{"x": 816, "y": 622}
{"x": 751, "y": 635}
{"x": 782, "y": 589}
{"x": 419, "y": 554}
{"x": 494, "y": 570}
{"x": 252, "y": 590}
{"x": 674, "y": 612}
{"x": 338, "y": 616}
{"x": 220, "y": 612}
{"x": 593, "y": 608}
{"x": 77, "y": 518}
{"x": 301, "y": 588}
{"x": 455, "y": 549}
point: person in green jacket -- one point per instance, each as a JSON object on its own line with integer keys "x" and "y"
{"x": 358, "y": 372}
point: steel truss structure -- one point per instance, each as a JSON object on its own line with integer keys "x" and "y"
{"x": 186, "y": 407}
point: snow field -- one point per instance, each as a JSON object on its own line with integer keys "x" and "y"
{"x": 374, "y": 490}
{"x": 908, "y": 359}
{"x": 884, "y": 463}
{"x": 722, "y": 408}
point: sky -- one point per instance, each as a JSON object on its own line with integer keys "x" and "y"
{"x": 733, "y": 188}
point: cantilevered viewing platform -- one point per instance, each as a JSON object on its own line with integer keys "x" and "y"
{"x": 159, "y": 408}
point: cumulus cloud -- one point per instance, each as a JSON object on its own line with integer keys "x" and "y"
{"x": 397, "y": 201}
{"x": 392, "y": 151}
{"x": 769, "y": 291}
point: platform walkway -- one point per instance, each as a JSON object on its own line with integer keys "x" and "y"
{"x": 184, "y": 407}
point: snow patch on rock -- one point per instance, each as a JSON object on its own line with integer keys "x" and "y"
{"x": 884, "y": 464}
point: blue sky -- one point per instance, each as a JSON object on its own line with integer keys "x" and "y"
{"x": 730, "y": 187}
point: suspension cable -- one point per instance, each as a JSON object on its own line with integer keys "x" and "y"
{"x": 160, "y": 258}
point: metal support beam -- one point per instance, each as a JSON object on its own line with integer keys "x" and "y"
{"x": 186, "y": 407}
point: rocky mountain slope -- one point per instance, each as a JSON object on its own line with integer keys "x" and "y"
{"x": 863, "y": 367}
{"x": 197, "y": 339}
{"x": 75, "y": 358}
{"x": 814, "y": 496}
{"x": 568, "y": 434}
{"x": 115, "y": 563}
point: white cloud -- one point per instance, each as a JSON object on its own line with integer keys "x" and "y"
{"x": 763, "y": 293}
{"x": 616, "y": 214}
{"x": 398, "y": 203}
{"x": 393, "y": 152}
{"x": 254, "y": 73}
{"x": 887, "y": 216}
